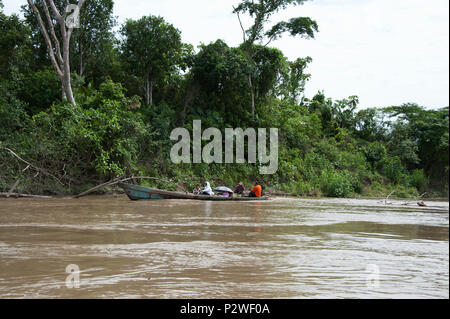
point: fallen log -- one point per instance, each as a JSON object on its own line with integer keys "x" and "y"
{"x": 11, "y": 190}
{"x": 421, "y": 204}
{"x": 417, "y": 198}
{"x": 19, "y": 195}
{"x": 93, "y": 189}
{"x": 387, "y": 197}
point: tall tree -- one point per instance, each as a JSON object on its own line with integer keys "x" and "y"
{"x": 15, "y": 44}
{"x": 94, "y": 36}
{"x": 153, "y": 49}
{"x": 94, "y": 51}
{"x": 58, "y": 48}
{"x": 219, "y": 76}
{"x": 416, "y": 130}
{"x": 294, "y": 79}
{"x": 260, "y": 11}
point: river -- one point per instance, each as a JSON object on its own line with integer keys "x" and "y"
{"x": 283, "y": 248}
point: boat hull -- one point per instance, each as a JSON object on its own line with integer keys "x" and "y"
{"x": 136, "y": 192}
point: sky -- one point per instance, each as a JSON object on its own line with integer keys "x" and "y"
{"x": 386, "y": 52}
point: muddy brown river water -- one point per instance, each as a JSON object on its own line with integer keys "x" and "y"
{"x": 283, "y": 248}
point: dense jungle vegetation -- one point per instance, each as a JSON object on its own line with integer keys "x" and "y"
{"x": 133, "y": 86}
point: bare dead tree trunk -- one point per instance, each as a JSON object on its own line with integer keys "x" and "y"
{"x": 149, "y": 89}
{"x": 252, "y": 94}
{"x": 151, "y": 92}
{"x": 63, "y": 92}
{"x": 60, "y": 62}
{"x": 81, "y": 60}
{"x": 192, "y": 93}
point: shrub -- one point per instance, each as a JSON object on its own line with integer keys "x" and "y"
{"x": 88, "y": 142}
{"x": 337, "y": 184}
{"x": 418, "y": 179}
{"x": 12, "y": 112}
{"x": 39, "y": 90}
{"x": 394, "y": 169}
{"x": 375, "y": 153}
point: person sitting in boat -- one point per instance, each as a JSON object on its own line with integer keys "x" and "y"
{"x": 239, "y": 189}
{"x": 256, "y": 191}
{"x": 207, "y": 190}
{"x": 197, "y": 190}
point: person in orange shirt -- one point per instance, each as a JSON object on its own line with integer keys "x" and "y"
{"x": 256, "y": 191}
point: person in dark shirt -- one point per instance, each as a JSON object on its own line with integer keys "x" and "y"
{"x": 239, "y": 189}
{"x": 197, "y": 190}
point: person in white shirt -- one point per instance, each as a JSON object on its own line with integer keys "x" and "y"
{"x": 207, "y": 190}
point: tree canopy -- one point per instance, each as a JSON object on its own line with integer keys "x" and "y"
{"x": 153, "y": 49}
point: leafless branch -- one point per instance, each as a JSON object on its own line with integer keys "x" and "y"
{"x": 52, "y": 32}
{"x": 46, "y": 38}
{"x": 55, "y": 11}
{"x": 240, "y": 22}
{"x": 270, "y": 40}
{"x": 38, "y": 169}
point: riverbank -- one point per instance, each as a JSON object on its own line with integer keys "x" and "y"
{"x": 117, "y": 192}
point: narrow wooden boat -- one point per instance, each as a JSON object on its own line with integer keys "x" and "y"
{"x": 136, "y": 192}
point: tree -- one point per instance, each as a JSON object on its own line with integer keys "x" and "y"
{"x": 344, "y": 112}
{"x": 218, "y": 76}
{"x": 260, "y": 11}
{"x": 369, "y": 125}
{"x": 269, "y": 65}
{"x": 153, "y": 48}
{"x": 58, "y": 49}
{"x": 322, "y": 107}
{"x": 295, "y": 78}
{"x": 427, "y": 133}
{"x": 94, "y": 36}
{"x": 39, "y": 89}
{"x": 14, "y": 44}
{"x": 93, "y": 51}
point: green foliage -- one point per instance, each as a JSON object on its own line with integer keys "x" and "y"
{"x": 418, "y": 179}
{"x": 152, "y": 48}
{"x": 102, "y": 132}
{"x": 394, "y": 169}
{"x": 337, "y": 184}
{"x": 369, "y": 125}
{"x": 268, "y": 66}
{"x": 13, "y": 116}
{"x": 427, "y": 132}
{"x": 99, "y": 138}
{"x": 15, "y": 45}
{"x": 322, "y": 107}
{"x": 39, "y": 90}
{"x": 294, "y": 79}
{"x": 261, "y": 11}
{"x": 92, "y": 50}
{"x": 407, "y": 150}
{"x": 375, "y": 153}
